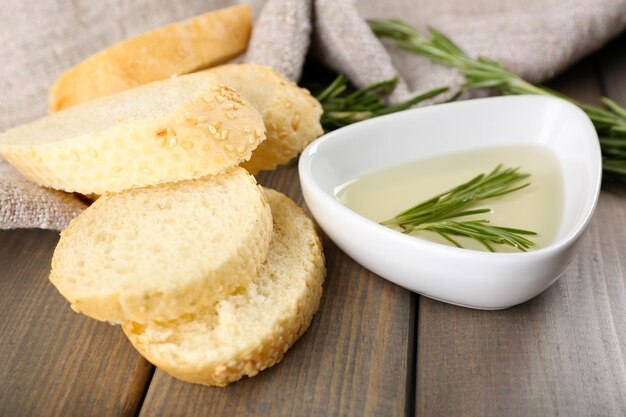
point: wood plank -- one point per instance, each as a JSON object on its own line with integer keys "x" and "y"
{"x": 56, "y": 362}
{"x": 355, "y": 359}
{"x": 558, "y": 354}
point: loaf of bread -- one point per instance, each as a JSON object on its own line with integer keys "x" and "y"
{"x": 252, "y": 329}
{"x": 176, "y": 129}
{"x": 291, "y": 115}
{"x": 179, "y": 48}
{"x": 159, "y": 253}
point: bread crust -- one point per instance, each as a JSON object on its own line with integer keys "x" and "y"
{"x": 208, "y": 131}
{"x": 164, "y": 345}
{"x": 178, "y": 48}
{"x": 291, "y": 115}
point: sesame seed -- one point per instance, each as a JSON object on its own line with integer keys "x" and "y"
{"x": 161, "y": 141}
{"x": 215, "y": 88}
{"x": 212, "y": 129}
{"x": 224, "y": 134}
{"x": 219, "y": 98}
{"x": 172, "y": 142}
{"x": 218, "y": 124}
{"x": 257, "y": 133}
{"x": 161, "y": 132}
{"x": 240, "y": 149}
{"x": 229, "y": 147}
{"x": 202, "y": 118}
{"x": 295, "y": 123}
{"x": 273, "y": 126}
{"x": 231, "y": 115}
{"x": 187, "y": 145}
{"x": 206, "y": 98}
{"x": 251, "y": 139}
{"x": 282, "y": 134}
{"x": 288, "y": 104}
{"x": 220, "y": 369}
{"x": 246, "y": 129}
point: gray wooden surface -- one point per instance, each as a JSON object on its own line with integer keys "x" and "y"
{"x": 373, "y": 348}
{"x": 55, "y": 362}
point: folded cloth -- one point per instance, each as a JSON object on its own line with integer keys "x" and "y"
{"x": 534, "y": 38}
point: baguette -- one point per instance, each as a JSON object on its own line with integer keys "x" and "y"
{"x": 179, "y": 48}
{"x": 290, "y": 114}
{"x": 157, "y": 253}
{"x": 253, "y": 329}
{"x": 177, "y": 129}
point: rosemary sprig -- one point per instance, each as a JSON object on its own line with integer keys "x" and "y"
{"x": 343, "y": 107}
{"x": 481, "y": 72}
{"x": 483, "y": 233}
{"x": 436, "y": 213}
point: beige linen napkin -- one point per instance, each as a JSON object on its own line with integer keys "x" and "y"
{"x": 40, "y": 39}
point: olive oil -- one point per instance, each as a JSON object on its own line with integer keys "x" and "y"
{"x": 383, "y": 194}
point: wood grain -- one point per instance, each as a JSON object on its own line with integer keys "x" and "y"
{"x": 559, "y": 354}
{"x": 55, "y": 362}
{"x": 354, "y": 360}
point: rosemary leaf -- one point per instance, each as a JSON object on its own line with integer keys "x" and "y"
{"x": 343, "y": 107}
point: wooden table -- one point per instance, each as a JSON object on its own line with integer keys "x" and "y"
{"x": 373, "y": 349}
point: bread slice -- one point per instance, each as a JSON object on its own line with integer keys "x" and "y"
{"x": 249, "y": 331}
{"x": 290, "y": 114}
{"x": 179, "y": 48}
{"x": 157, "y": 253}
{"x": 170, "y": 130}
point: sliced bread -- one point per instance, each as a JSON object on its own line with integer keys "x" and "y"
{"x": 157, "y": 253}
{"x": 251, "y": 330}
{"x": 179, "y": 48}
{"x": 291, "y": 115}
{"x": 181, "y": 128}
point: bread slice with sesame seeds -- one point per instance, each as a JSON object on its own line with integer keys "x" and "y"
{"x": 178, "y": 48}
{"x": 251, "y": 330}
{"x": 181, "y": 128}
{"x": 157, "y": 253}
{"x": 291, "y": 115}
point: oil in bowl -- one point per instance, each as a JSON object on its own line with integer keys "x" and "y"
{"x": 381, "y": 195}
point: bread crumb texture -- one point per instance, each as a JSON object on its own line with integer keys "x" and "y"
{"x": 290, "y": 114}
{"x": 166, "y": 131}
{"x": 178, "y": 48}
{"x": 158, "y": 253}
{"x": 251, "y": 329}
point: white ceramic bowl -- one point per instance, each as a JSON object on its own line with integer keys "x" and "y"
{"x": 465, "y": 277}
